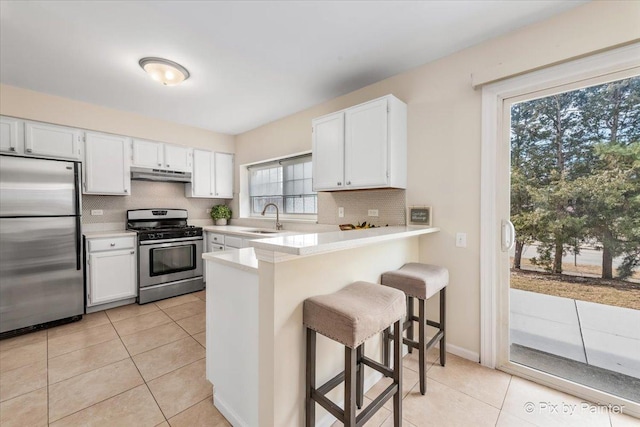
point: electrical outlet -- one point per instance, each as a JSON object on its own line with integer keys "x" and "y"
{"x": 461, "y": 240}
{"x": 208, "y": 210}
{"x": 96, "y": 212}
{"x": 340, "y": 212}
{"x": 373, "y": 212}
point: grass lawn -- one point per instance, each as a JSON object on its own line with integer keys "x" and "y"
{"x": 611, "y": 292}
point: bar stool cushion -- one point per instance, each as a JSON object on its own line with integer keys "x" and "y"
{"x": 354, "y": 313}
{"x": 417, "y": 280}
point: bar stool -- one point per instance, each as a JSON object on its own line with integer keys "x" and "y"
{"x": 420, "y": 281}
{"x": 350, "y": 316}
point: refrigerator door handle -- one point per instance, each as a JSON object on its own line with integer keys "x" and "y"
{"x": 78, "y": 244}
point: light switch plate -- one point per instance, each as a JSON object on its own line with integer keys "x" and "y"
{"x": 341, "y": 212}
{"x": 96, "y": 212}
{"x": 373, "y": 212}
{"x": 461, "y": 240}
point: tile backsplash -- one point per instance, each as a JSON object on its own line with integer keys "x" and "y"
{"x": 145, "y": 195}
{"x": 390, "y": 203}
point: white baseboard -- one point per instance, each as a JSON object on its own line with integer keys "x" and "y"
{"x": 233, "y": 418}
{"x": 463, "y": 352}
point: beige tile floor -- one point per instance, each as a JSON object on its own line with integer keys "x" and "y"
{"x": 128, "y": 366}
{"x": 144, "y": 366}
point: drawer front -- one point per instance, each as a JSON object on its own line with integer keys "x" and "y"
{"x": 214, "y": 247}
{"x": 111, "y": 244}
{"x": 233, "y": 242}
{"x": 216, "y": 238}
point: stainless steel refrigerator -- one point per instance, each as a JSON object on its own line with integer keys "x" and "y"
{"x": 41, "y": 278}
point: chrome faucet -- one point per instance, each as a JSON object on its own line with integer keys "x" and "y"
{"x": 278, "y": 225}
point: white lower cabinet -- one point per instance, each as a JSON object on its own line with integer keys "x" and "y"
{"x": 111, "y": 270}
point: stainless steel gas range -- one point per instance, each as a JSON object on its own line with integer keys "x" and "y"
{"x": 169, "y": 253}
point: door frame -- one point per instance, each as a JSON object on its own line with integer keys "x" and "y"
{"x": 494, "y": 296}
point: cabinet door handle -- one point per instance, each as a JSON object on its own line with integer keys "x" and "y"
{"x": 12, "y": 148}
{"x": 113, "y": 244}
{"x": 126, "y": 191}
{"x": 339, "y": 183}
{"x": 28, "y": 150}
{"x": 348, "y": 182}
{"x": 132, "y": 252}
{"x": 159, "y": 164}
{"x": 168, "y": 165}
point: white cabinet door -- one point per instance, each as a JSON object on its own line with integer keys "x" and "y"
{"x": 202, "y": 178}
{"x": 177, "y": 158}
{"x": 147, "y": 154}
{"x": 42, "y": 139}
{"x": 112, "y": 276}
{"x": 223, "y": 175}
{"x": 366, "y": 145}
{"x": 328, "y": 152}
{"x": 106, "y": 164}
{"x": 11, "y": 136}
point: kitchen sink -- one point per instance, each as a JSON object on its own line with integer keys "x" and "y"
{"x": 263, "y": 231}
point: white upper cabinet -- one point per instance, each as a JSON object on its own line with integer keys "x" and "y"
{"x": 202, "y": 184}
{"x": 212, "y": 175}
{"x": 106, "y": 164}
{"x": 328, "y": 152}
{"x": 361, "y": 147}
{"x": 177, "y": 158}
{"x": 223, "y": 169}
{"x": 11, "y": 135}
{"x": 365, "y": 145}
{"x": 158, "y": 155}
{"x": 148, "y": 154}
{"x": 43, "y": 139}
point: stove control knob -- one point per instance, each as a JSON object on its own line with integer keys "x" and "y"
{"x": 159, "y": 235}
{"x": 152, "y": 236}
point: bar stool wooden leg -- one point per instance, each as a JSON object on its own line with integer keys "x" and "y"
{"x": 386, "y": 342}
{"x": 360, "y": 376}
{"x": 311, "y": 378}
{"x": 422, "y": 345}
{"x": 350, "y": 364}
{"x": 397, "y": 373}
{"x": 410, "y": 319}
{"x": 443, "y": 307}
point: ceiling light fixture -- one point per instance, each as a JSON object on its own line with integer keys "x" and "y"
{"x": 163, "y": 71}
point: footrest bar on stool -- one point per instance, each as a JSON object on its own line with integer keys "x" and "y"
{"x": 331, "y": 384}
{"x": 377, "y": 366}
{"x": 435, "y": 339}
{"x": 327, "y": 404}
{"x": 434, "y": 324}
{"x": 379, "y": 401}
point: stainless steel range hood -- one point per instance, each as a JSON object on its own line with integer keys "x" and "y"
{"x": 144, "y": 174}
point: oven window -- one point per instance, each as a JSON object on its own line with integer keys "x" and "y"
{"x": 172, "y": 259}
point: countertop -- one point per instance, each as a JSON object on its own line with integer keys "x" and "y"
{"x": 243, "y": 259}
{"x": 317, "y": 243}
{"x": 246, "y": 231}
{"x": 108, "y": 234}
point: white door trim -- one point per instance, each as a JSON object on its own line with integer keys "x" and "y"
{"x": 492, "y": 303}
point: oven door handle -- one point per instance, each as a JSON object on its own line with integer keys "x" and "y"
{"x": 169, "y": 241}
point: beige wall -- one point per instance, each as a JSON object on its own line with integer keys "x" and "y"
{"x": 23, "y": 103}
{"x": 444, "y": 119}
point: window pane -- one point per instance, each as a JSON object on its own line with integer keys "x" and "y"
{"x": 288, "y": 185}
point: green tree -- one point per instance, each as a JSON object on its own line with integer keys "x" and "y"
{"x": 611, "y": 204}
{"x": 611, "y": 119}
{"x": 560, "y": 117}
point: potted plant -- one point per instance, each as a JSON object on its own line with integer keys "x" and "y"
{"x": 220, "y": 214}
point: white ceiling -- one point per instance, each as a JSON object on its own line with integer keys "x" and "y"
{"x": 250, "y": 62}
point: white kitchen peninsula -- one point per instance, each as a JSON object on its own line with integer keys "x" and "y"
{"x": 255, "y": 335}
